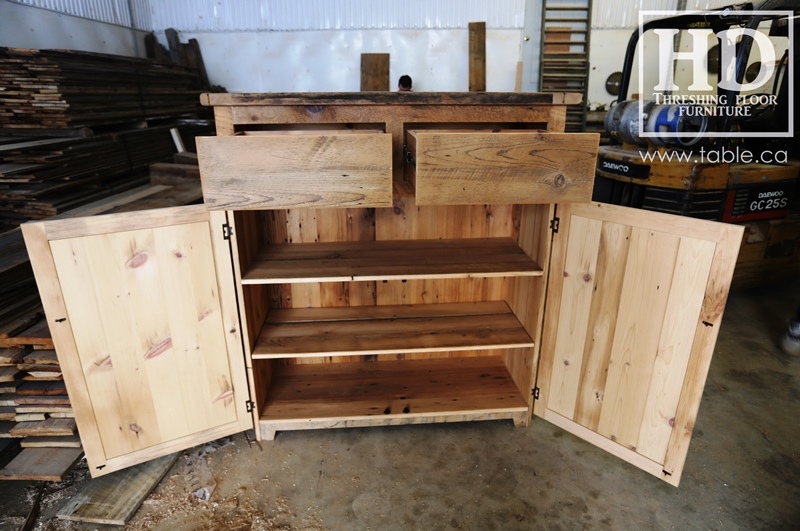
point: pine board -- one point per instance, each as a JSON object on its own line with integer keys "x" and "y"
{"x": 114, "y": 499}
{"x": 12, "y": 356}
{"x": 389, "y": 329}
{"x": 10, "y": 374}
{"x": 386, "y": 260}
{"x": 8, "y": 399}
{"x": 64, "y": 441}
{"x": 49, "y": 427}
{"x": 42, "y": 357}
{"x": 42, "y": 388}
{"x": 20, "y": 400}
{"x": 5, "y": 429}
{"x": 418, "y": 387}
{"x": 41, "y": 464}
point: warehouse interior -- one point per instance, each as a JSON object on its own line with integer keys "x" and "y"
{"x": 611, "y": 297}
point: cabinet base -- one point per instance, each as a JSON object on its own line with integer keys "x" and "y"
{"x": 268, "y": 429}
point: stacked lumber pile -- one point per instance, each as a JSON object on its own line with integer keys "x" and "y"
{"x": 61, "y": 89}
{"x": 40, "y": 178}
{"x": 34, "y": 405}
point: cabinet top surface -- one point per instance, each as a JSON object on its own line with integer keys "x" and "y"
{"x": 387, "y": 98}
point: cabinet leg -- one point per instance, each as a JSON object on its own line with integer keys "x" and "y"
{"x": 268, "y": 434}
{"x": 521, "y": 421}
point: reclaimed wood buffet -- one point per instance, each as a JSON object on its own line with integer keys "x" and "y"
{"x": 375, "y": 259}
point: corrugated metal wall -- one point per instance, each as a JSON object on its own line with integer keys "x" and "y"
{"x": 624, "y": 14}
{"x": 308, "y": 15}
{"x": 110, "y": 11}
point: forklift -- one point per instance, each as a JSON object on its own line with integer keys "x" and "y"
{"x": 723, "y": 156}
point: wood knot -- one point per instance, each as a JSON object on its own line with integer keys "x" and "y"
{"x": 672, "y": 422}
{"x": 560, "y": 181}
{"x": 135, "y": 428}
{"x": 137, "y": 260}
{"x": 587, "y": 277}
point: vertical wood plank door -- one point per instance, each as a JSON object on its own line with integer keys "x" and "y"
{"x": 634, "y": 305}
{"x": 143, "y": 315}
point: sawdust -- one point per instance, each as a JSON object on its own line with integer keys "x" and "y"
{"x": 178, "y": 510}
{"x": 172, "y": 505}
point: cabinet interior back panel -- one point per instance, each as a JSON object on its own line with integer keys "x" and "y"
{"x": 147, "y": 349}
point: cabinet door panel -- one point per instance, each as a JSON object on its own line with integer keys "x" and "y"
{"x": 635, "y": 300}
{"x": 149, "y": 343}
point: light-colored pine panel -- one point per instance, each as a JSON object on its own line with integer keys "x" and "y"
{"x": 660, "y": 287}
{"x": 283, "y": 171}
{"x": 198, "y": 377}
{"x": 645, "y": 291}
{"x": 675, "y": 345}
{"x": 705, "y": 336}
{"x": 610, "y": 273}
{"x": 578, "y": 287}
{"x": 482, "y": 167}
{"x": 155, "y": 361}
{"x": 100, "y": 332}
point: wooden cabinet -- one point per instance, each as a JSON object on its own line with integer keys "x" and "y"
{"x": 386, "y": 259}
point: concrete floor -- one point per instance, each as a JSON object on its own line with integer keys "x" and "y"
{"x": 743, "y": 469}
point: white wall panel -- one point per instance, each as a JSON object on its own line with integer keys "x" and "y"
{"x": 330, "y": 61}
{"x": 109, "y": 11}
{"x": 308, "y": 15}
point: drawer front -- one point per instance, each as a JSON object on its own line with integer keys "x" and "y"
{"x": 272, "y": 171}
{"x": 484, "y": 167}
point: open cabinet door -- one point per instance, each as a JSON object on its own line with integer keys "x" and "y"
{"x": 634, "y": 305}
{"x": 142, "y": 310}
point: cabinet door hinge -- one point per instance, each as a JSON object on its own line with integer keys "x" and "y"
{"x": 409, "y": 156}
{"x": 249, "y": 405}
{"x": 554, "y": 224}
{"x": 535, "y": 392}
{"x": 226, "y": 231}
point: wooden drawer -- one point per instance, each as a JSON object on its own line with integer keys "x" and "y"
{"x": 460, "y": 167}
{"x": 270, "y": 170}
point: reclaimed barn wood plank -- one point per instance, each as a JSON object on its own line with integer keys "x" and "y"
{"x": 479, "y": 167}
{"x": 114, "y": 499}
{"x": 41, "y": 464}
{"x": 279, "y": 171}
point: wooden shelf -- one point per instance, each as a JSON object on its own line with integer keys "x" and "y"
{"x": 388, "y": 260}
{"x": 305, "y": 332}
{"x": 404, "y": 388}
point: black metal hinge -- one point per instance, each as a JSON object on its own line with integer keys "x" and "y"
{"x": 249, "y": 405}
{"x": 409, "y": 156}
{"x": 535, "y": 393}
{"x": 554, "y": 224}
{"x": 226, "y": 231}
